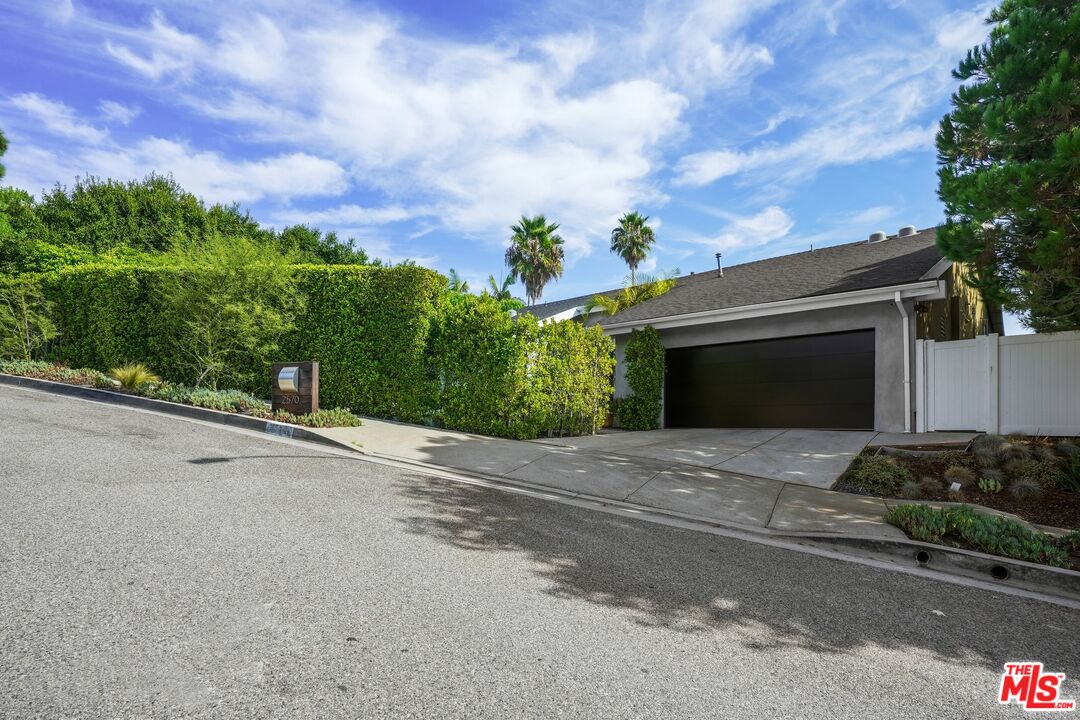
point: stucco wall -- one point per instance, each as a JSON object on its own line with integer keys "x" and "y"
{"x": 882, "y": 317}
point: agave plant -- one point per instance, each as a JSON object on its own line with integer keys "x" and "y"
{"x": 133, "y": 376}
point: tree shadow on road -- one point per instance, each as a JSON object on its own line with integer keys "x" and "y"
{"x": 693, "y": 582}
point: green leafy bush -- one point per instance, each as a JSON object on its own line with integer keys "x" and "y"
{"x": 963, "y": 527}
{"x": 644, "y": 360}
{"x": 990, "y": 486}
{"x": 517, "y": 377}
{"x": 878, "y": 474}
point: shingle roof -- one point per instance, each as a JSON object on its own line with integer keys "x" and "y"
{"x": 546, "y": 310}
{"x": 840, "y": 268}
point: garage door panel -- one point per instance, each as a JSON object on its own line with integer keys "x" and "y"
{"x": 811, "y": 381}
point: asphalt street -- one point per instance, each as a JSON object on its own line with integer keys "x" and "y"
{"x": 155, "y": 567}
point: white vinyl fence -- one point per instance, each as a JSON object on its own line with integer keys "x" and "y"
{"x": 1025, "y": 383}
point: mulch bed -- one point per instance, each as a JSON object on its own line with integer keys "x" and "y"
{"x": 1056, "y": 508}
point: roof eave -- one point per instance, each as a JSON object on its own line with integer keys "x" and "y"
{"x": 922, "y": 289}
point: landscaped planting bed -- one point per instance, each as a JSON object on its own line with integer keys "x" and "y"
{"x": 1034, "y": 478}
{"x": 150, "y": 386}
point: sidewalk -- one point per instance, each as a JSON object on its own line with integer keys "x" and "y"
{"x": 703, "y": 493}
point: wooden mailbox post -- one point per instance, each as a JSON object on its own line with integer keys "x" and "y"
{"x": 295, "y": 387}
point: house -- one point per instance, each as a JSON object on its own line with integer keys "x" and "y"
{"x": 817, "y": 339}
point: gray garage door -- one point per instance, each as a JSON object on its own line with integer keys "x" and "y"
{"x": 812, "y": 381}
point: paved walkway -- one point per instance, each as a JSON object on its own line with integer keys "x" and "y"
{"x": 753, "y": 478}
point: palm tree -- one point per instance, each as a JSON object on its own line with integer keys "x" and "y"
{"x": 632, "y": 240}
{"x": 455, "y": 284}
{"x": 500, "y": 290}
{"x": 535, "y": 255}
{"x": 632, "y": 294}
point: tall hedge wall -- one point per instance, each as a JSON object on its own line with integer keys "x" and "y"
{"x": 366, "y": 326}
{"x": 391, "y": 342}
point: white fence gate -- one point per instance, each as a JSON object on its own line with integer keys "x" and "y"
{"x": 1025, "y": 383}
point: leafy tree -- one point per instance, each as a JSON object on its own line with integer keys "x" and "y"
{"x": 632, "y": 240}
{"x": 25, "y": 318}
{"x": 230, "y": 302}
{"x": 312, "y": 246}
{"x": 535, "y": 255}
{"x": 100, "y": 215}
{"x": 1009, "y": 156}
{"x": 3, "y": 149}
{"x": 632, "y": 294}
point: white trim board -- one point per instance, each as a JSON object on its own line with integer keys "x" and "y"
{"x": 923, "y": 290}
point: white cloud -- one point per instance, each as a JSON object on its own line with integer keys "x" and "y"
{"x": 57, "y": 118}
{"x": 112, "y": 111}
{"x": 350, "y": 214}
{"x": 216, "y": 179}
{"x": 479, "y": 132}
{"x": 746, "y": 231}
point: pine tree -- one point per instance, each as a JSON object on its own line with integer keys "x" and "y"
{"x": 1009, "y": 156}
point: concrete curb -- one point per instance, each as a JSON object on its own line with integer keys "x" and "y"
{"x": 247, "y": 422}
{"x": 929, "y": 560}
{"x": 940, "y": 560}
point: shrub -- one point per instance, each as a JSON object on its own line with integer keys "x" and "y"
{"x": 930, "y": 486}
{"x": 1024, "y": 489}
{"x": 878, "y": 474}
{"x": 225, "y": 400}
{"x": 964, "y": 527}
{"x": 55, "y": 372}
{"x": 987, "y": 449}
{"x": 133, "y": 376}
{"x": 990, "y": 486}
{"x": 335, "y": 417}
{"x": 959, "y": 474}
{"x": 1072, "y": 477}
{"x": 644, "y": 359}
{"x": 1013, "y": 452}
{"x": 25, "y": 318}
{"x": 1068, "y": 448}
{"x": 911, "y": 490}
{"x": 1042, "y": 452}
{"x": 517, "y": 378}
{"x": 228, "y": 302}
{"x": 1048, "y": 474}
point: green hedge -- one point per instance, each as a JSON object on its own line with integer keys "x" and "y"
{"x": 391, "y": 342}
{"x": 516, "y": 377}
{"x": 367, "y": 326}
{"x": 645, "y": 375}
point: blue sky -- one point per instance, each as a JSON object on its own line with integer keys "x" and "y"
{"x": 424, "y": 129}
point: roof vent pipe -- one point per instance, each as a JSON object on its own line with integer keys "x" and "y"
{"x": 876, "y": 237}
{"x": 906, "y": 231}
{"x": 719, "y": 264}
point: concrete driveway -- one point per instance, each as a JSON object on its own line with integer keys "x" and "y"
{"x": 805, "y": 457}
